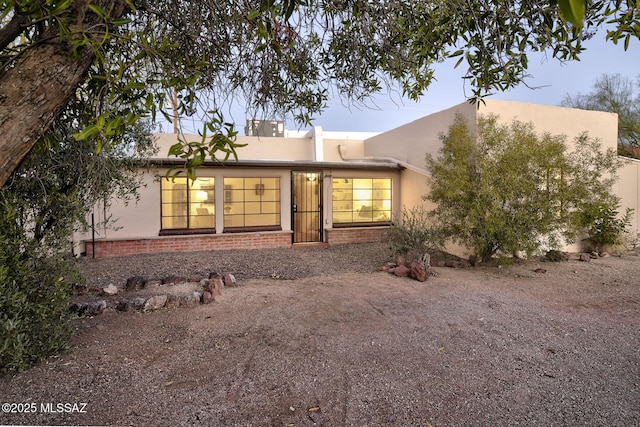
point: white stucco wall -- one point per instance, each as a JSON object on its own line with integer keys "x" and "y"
{"x": 411, "y": 142}
{"x": 628, "y": 189}
{"x": 257, "y": 148}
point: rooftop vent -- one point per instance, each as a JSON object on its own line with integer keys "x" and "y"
{"x": 264, "y": 128}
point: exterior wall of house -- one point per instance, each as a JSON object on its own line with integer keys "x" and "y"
{"x": 558, "y": 120}
{"x": 412, "y": 142}
{"x": 135, "y": 246}
{"x": 139, "y": 223}
{"x": 258, "y": 148}
{"x": 628, "y": 189}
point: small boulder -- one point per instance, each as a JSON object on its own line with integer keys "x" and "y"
{"x": 585, "y": 257}
{"x": 172, "y": 301}
{"x": 138, "y": 303}
{"x": 190, "y": 299}
{"x": 418, "y": 271}
{"x": 401, "y": 271}
{"x": 155, "y": 302}
{"x": 93, "y": 308}
{"x": 125, "y": 305}
{"x": 230, "y": 280}
{"x": 213, "y": 286}
{"x": 110, "y": 290}
{"x": 207, "y": 298}
{"x": 401, "y": 261}
{"x": 135, "y": 282}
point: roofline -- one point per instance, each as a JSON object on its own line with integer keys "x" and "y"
{"x": 288, "y": 164}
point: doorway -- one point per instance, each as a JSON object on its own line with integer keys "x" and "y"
{"x": 306, "y": 206}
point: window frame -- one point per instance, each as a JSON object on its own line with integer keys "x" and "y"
{"x": 258, "y": 189}
{"x": 188, "y": 230}
{"x": 355, "y": 213}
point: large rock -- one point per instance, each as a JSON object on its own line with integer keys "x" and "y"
{"x": 155, "y": 302}
{"x": 418, "y": 271}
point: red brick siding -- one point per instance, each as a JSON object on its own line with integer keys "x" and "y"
{"x": 341, "y": 236}
{"x": 118, "y": 248}
{"x": 275, "y": 239}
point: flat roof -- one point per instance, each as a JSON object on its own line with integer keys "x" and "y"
{"x": 288, "y": 164}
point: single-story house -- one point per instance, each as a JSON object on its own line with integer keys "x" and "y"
{"x": 315, "y": 187}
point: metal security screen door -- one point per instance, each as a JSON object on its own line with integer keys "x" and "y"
{"x": 306, "y": 208}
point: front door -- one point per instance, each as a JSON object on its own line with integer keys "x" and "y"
{"x": 306, "y": 208}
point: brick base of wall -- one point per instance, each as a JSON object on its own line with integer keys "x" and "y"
{"x": 264, "y": 240}
{"x": 126, "y": 247}
{"x": 342, "y": 236}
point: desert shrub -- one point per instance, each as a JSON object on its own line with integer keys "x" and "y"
{"x": 604, "y": 225}
{"x": 411, "y": 234}
{"x": 507, "y": 188}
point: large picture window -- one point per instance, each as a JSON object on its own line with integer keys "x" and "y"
{"x": 361, "y": 200}
{"x": 187, "y": 204}
{"x": 251, "y": 203}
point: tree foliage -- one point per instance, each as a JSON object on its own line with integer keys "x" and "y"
{"x": 45, "y": 200}
{"x": 615, "y": 94}
{"x": 505, "y": 188}
{"x": 282, "y": 56}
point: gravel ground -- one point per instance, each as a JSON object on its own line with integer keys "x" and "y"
{"x": 285, "y": 264}
{"x": 342, "y": 345}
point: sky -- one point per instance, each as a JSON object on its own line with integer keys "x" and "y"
{"x": 553, "y": 81}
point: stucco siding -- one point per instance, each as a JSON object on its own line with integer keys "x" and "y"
{"x": 628, "y": 189}
{"x": 411, "y": 142}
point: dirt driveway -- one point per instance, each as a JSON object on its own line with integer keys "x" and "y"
{"x": 469, "y": 347}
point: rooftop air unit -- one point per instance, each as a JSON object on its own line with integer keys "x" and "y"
{"x": 264, "y": 128}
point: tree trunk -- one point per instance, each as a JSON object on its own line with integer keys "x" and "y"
{"x": 32, "y": 94}
{"x": 35, "y": 89}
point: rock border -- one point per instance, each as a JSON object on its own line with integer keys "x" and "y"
{"x": 207, "y": 292}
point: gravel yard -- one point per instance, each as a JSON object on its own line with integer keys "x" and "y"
{"x": 316, "y": 336}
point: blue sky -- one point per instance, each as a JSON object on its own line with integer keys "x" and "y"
{"x": 554, "y": 80}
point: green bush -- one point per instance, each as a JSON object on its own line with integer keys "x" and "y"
{"x": 34, "y": 296}
{"x": 502, "y": 189}
{"x": 411, "y": 235}
{"x": 604, "y": 225}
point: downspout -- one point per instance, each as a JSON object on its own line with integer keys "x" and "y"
{"x": 342, "y": 149}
